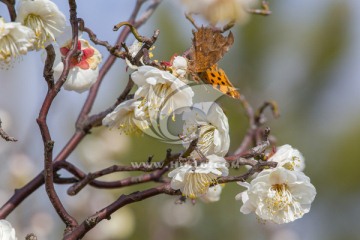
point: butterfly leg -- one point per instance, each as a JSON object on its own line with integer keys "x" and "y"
{"x": 227, "y": 26}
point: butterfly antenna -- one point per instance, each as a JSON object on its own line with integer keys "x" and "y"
{"x": 191, "y": 19}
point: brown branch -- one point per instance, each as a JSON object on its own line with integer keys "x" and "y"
{"x": 79, "y": 174}
{"x": 148, "y": 43}
{"x": 11, "y": 8}
{"x": 123, "y": 200}
{"x": 114, "y": 50}
{"x": 160, "y": 167}
{"x": 69, "y": 221}
{"x": 150, "y": 177}
{"x": 254, "y": 152}
{"x": 62, "y": 180}
{"x": 5, "y": 136}
{"x": 258, "y": 167}
{"x": 259, "y": 116}
{"x": 115, "y": 168}
{"x": 48, "y": 72}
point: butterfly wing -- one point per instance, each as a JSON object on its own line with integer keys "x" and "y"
{"x": 209, "y": 46}
{"x": 219, "y": 81}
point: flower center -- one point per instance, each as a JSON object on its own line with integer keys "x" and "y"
{"x": 161, "y": 92}
{"x": 83, "y": 57}
{"x": 42, "y": 33}
{"x": 206, "y": 138}
{"x": 127, "y": 124}
{"x": 8, "y": 48}
{"x": 279, "y": 199}
{"x": 197, "y": 183}
{"x": 160, "y": 98}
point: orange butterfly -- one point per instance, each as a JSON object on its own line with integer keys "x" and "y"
{"x": 209, "y": 46}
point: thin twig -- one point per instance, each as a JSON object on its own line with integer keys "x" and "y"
{"x": 160, "y": 168}
{"x": 259, "y": 116}
{"x": 249, "y": 137}
{"x": 79, "y": 174}
{"x": 253, "y": 152}
{"x": 5, "y": 136}
{"x": 114, "y": 50}
{"x": 256, "y": 168}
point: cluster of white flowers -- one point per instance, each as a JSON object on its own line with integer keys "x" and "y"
{"x": 15, "y": 40}
{"x": 38, "y": 24}
{"x": 44, "y": 18}
{"x": 163, "y": 93}
{"x": 207, "y": 123}
{"x": 159, "y": 94}
{"x": 282, "y": 194}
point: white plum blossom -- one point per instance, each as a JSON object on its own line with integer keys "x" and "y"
{"x": 44, "y": 18}
{"x": 180, "y": 67}
{"x": 127, "y": 117}
{"x": 220, "y": 10}
{"x": 84, "y": 66}
{"x": 194, "y": 181}
{"x": 278, "y": 195}
{"x": 289, "y": 158}
{"x": 213, "y": 194}
{"x": 7, "y": 232}
{"x": 207, "y": 122}
{"x": 15, "y": 40}
{"x": 162, "y": 93}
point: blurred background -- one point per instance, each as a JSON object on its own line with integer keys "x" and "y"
{"x": 305, "y": 56}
